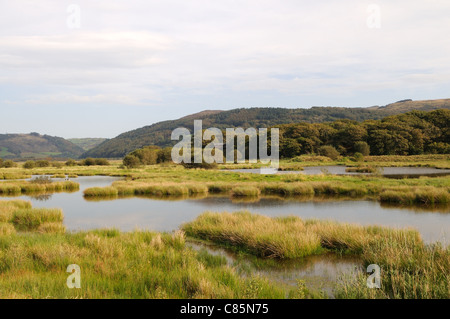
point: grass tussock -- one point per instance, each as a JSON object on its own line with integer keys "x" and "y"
{"x": 242, "y": 191}
{"x": 32, "y": 219}
{"x": 7, "y": 209}
{"x": 7, "y": 229}
{"x": 51, "y": 228}
{"x": 416, "y": 195}
{"x": 410, "y": 269}
{"x": 101, "y": 191}
{"x": 289, "y": 237}
{"x": 24, "y": 187}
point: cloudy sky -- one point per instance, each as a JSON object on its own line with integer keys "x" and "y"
{"x": 99, "y": 68}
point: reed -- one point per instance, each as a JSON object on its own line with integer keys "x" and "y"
{"x": 32, "y": 219}
{"x": 289, "y": 237}
{"x": 101, "y": 191}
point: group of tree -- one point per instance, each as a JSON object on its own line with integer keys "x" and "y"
{"x": 411, "y": 133}
{"x": 148, "y": 155}
{"x": 160, "y": 133}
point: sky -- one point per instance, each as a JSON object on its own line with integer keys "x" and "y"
{"x": 83, "y": 68}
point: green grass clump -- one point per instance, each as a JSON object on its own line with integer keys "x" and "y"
{"x": 407, "y": 272}
{"x": 6, "y": 229}
{"x": 422, "y": 195}
{"x": 51, "y": 228}
{"x": 289, "y": 237}
{"x": 245, "y": 191}
{"x": 7, "y": 209}
{"x": 101, "y": 191}
{"x": 59, "y": 176}
{"x": 32, "y": 219}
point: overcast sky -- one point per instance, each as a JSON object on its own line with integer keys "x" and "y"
{"x": 126, "y": 64}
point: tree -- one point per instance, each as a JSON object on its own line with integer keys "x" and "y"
{"x": 362, "y": 147}
{"x": 329, "y": 151}
{"x": 29, "y": 164}
{"x": 131, "y": 161}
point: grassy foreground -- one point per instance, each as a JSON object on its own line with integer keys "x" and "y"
{"x": 410, "y": 269}
{"x": 35, "y": 251}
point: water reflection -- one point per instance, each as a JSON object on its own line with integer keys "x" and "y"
{"x": 168, "y": 213}
{"x": 320, "y": 273}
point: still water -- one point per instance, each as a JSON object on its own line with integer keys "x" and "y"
{"x": 167, "y": 215}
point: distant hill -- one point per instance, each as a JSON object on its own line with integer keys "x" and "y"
{"x": 159, "y": 133}
{"x": 87, "y": 143}
{"x": 35, "y": 146}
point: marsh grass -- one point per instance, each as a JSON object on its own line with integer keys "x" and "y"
{"x": 410, "y": 269}
{"x": 19, "y": 187}
{"x": 101, "y": 191}
{"x": 32, "y": 219}
{"x": 290, "y": 237}
{"x": 137, "y": 264}
{"x": 416, "y": 195}
{"x": 242, "y": 191}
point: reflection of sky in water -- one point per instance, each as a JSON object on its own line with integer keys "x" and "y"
{"x": 162, "y": 215}
{"x": 340, "y": 170}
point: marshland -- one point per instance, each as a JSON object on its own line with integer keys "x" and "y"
{"x": 165, "y": 231}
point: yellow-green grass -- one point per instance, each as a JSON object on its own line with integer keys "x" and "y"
{"x": 101, "y": 191}
{"x": 425, "y": 190}
{"x": 409, "y": 268}
{"x": 416, "y": 195}
{"x": 34, "y": 218}
{"x": 362, "y": 169}
{"x": 290, "y": 237}
{"x": 240, "y": 191}
{"x": 59, "y": 176}
{"x": 135, "y": 265}
{"x": 415, "y": 272}
{"x": 7, "y": 209}
{"x": 18, "y": 187}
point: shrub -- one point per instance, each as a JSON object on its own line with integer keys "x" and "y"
{"x": 101, "y": 162}
{"x": 29, "y": 164}
{"x": 42, "y": 163}
{"x": 71, "y": 162}
{"x": 203, "y": 165}
{"x": 164, "y": 155}
{"x": 57, "y": 164}
{"x": 41, "y": 180}
{"x": 362, "y": 147}
{"x": 88, "y": 162}
{"x": 328, "y": 151}
{"x": 131, "y": 161}
{"x": 9, "y": 164}
{"x": 358, "y": 157}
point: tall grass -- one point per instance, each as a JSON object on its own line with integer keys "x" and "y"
{"x": 32, "y": 219}
{"x": 288, "y": 237}
{"x": 120, "y": 265}
{"x": 410, "y": 269}
{"x": 18, "y": 187}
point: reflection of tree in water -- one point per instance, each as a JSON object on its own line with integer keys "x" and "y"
{"x": 41, "y": 197}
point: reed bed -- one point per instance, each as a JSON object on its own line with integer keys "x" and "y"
{"x": 101, "y": 192}
{"x": 138, "y": 265}
{"x": 32, "y": 219}
{"x": 390, "y": 191}
{"x": 416, "y": 195}
{"x": 410, "y": 269}
{"x": 22, "y": 187}
{"x": 289, "y": 237}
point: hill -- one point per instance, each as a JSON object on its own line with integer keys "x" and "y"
{"x": 159, "y": 133}
{"x": 87, "y": 143}
{"x": 34, "y": 146}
